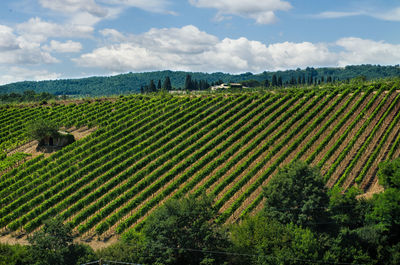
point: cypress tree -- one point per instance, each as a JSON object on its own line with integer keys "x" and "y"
{"x": 188, "y": 82}
{"x": 152, "y": 86}
{"x": 274, "y": 80}
{"x": 159, "y": 84}
{"x": 167, "y": 84}
{"x": 280, "y": 81}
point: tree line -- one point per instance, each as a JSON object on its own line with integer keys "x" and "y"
{"x": 189, "y": 85}
{"x": 151, "y": 87}
{"x": 26, "y": 96}
{"x": 132, "y": 82}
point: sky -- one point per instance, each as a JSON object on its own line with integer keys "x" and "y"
{"x": 58, "y": 39}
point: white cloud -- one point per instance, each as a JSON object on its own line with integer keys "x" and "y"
{"x": 361, "y": 51}
{"x": 112, "y": 35}
{"x": 8, "y": 41}
{"x": 158, "y": 6}
{"x": 334, "y": 14}
{"x": 388, "y": 15}
{"x": 90, "y": 12}
{"x": 74, "y": 6}
{"x": 63, "y": 47}
{"x": 16, "y": 49}
{"x": 15, "y": 74}
{"x": 26, "y": 55}
{"x": 263, "y": 12}
{"x": 37, "y": 30}
{"x": 188, "y": 48}
{"x": 391, "y": 15}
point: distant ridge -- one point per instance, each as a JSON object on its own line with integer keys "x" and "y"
{"x": 131, "y": 82}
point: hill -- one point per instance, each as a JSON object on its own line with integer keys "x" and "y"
{"x": 132, "y": 82}
{"x": 146, "y": 149}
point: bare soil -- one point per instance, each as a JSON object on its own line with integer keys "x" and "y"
{"x": 30, "y": 147}
{"x": 94, "y": 244}
{"x": 360, "y": 142}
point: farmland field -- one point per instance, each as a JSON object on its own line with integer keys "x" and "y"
{"x": 140, "y": 150}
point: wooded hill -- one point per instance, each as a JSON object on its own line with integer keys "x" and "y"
{"x": 147, "y": 149}
{"x": 132, "y": 82}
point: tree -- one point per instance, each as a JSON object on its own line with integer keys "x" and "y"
{"x": 386, "y": 211}
{"x": 389, "y": 174}
{"x": 152, "y": 86}
{"x": 345, "y": 209}
{"x": 297, "y": 194}
{"x": 167, "y": 84}
{"x": 130, "y": 248}
{"x": 270, "y": 242}
{"x": 274, "y": 81}
{"x": 179, "y": 226}
{"x": 15, "y": 255}
{"x": 41, "y": 129}
{"x": 53, "y": 244}
{"x": 159, "y": 85}
{"x": 188, "y": 82}
{"x": 280, "y": 81}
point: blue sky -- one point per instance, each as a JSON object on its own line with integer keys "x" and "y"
{"x": 53, "y": 39}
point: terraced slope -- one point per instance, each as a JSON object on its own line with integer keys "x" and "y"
{"x": 147, "y": 149}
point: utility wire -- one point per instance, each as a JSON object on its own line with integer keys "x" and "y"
{"x": 257, "y": 255}
{"x": 109, "y": 261}
{"x": 232, "y": 254}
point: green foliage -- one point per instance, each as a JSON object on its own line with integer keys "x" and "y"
{"x": 346, "y": 247}
{"x": 345, "y": 209}
{"x": 26, "y": 96}
{"x": 297, "y": 194}
{"x": 132, "y": 82}
{"x": 15, "y": 255}
{"x": 53, "y": 244}
{"x": 389, "y": 174}
{"x": 131, "y": 248}
{"x": 386, "y": 213}
{"x": 11, "y": 160}
{"x": 179, "y": 226}
{"x": 41, "y": 129}
{"x": 263, "y": 240}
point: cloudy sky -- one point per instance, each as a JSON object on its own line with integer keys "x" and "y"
{"x": 53, "y": 39}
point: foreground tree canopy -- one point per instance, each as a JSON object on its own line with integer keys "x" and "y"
{"x": 297, "y": 194}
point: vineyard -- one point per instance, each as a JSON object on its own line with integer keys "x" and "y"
{"x": 146, "y": 149}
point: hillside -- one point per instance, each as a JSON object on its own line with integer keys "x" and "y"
{"x": 132, "y": 82}
{"x": 146, "y": 149}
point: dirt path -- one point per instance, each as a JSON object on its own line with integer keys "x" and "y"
{"x": 94, "y": 244}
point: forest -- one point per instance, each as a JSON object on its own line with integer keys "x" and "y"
{"x": 133, "y": 82}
